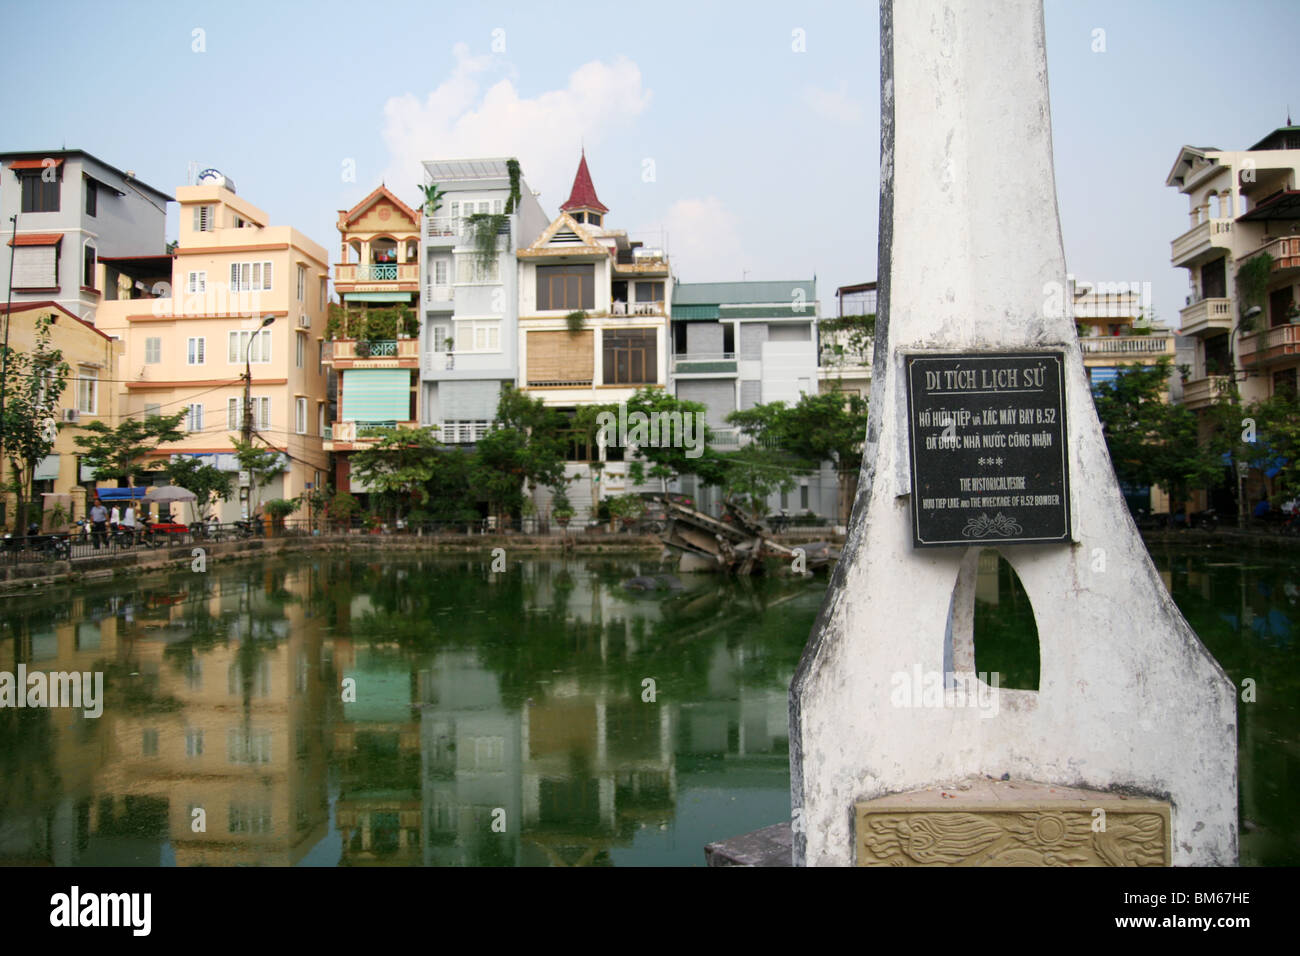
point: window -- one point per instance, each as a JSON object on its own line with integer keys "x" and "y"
{"x": 479, "y": 335}
{"x": 152, "y": 410}
{"x": 88, "y": 266}
{"x": 203, "y": 219}
{"x": 195, "y": 421}
{"x": 92, "y": 196}
{"x": 194, "y": 743}
{"x": 300, "y": 417}
{"x": 88, "y": 391}
{"x": 649, "y": 291}
{"x": 440, "y": 272}
{"x": 36, "y": 267}
{"x": 324, "y": 291}
{"x": 196, "y": 283}
{"x": 803, "y": 497}
{"x": 244, "y": 747}
{"x": 302, "y": 282}
{"x": 153, "y": 350}
{"x": 630, "y": 357}
{"x": 250, "y": 276}
{"x": 568, "y": 287}
{"x": 497, "y": 207}
{"x": 470, "y": 269}
{"x": 250, "y": 818}
{"x": 239, "y": 348}
{"x": 149, "y": 743}
{"x": 320, "y": 426}
{"x": 195, "y": 349}
{"x": 301, "y": 349}
{"x": 320, "y": 357}
{"x": 40, "y": 195}
{"x": 235, "y": 413}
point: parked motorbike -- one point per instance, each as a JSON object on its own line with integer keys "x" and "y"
{"x": 54, "y": 545}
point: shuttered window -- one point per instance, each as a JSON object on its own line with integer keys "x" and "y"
{"x": 153, "y": 350}
{"x": 36, "y": 267}
{"x": 195, "y": 349}
{"x": 559, "y": 358}
{"x": 376, "y": 395}
{"x": 203, "y": 219}
{"x": 250, "y": 276}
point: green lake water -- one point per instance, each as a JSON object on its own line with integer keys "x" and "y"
{"x": 394, "y": 710}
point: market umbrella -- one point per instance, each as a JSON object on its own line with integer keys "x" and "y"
{"x": 166, "y": 494}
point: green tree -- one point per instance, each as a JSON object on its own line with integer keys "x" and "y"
{"x": 671, "y": 458}
{"x": 754, "y": 473}
{"x": 209, "y": 483}
{"x": 828, "y": 427}
{"x": 399, "y": 465}
{"x": 124, "y": 451}
{"x": 1277, "y": 440}
{"x": 34, "y": 383}
{"x": 263, "y": 466}
{"x": 1152, "y": 442}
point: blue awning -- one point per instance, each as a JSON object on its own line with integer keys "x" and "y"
{"x": 119, "y": 494}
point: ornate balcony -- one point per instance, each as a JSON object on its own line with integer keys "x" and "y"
{"x": 390, "y": 353}
{"x": 377, "y": 277}
{"x": 1285, "y": 253}
{"x": 1207, "y": 317}
{"x": 1200, "y": 392}
{"x": 1271, "y": 346}
{"x": 1197, "y": 243}
{"x": 1136, "y": 347}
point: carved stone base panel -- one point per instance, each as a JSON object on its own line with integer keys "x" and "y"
{"x": 982, "y": 822}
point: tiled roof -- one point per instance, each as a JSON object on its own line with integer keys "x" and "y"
{"x": 742, "y": 293}
{"x": 583, "y": 194}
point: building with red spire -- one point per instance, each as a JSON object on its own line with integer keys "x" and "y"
{"x": 593, "y": 324}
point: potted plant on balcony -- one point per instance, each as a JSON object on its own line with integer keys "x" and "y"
{"x": 576, "y": 321}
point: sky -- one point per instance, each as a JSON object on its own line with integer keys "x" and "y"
{"x": 744, "y": 137}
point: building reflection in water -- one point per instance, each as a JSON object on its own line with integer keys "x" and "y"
{"x": 497, "y": 719}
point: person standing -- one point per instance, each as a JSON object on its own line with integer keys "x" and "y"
{"x": 128, "y": 522}
{"x": 115, "y": 519}
{"x": 98, "y": 522}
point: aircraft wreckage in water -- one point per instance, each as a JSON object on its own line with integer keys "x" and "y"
{"x": 738, "y": 543}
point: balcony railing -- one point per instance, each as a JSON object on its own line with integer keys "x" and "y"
{"x": 435, "y": 362}
{"x": 1200, "y": 239}
{"x": 462, "y": 433}
{"x": 636, "y": 308}
{"x": 350, "y": 349}
{"x": 439, "y": 293}
{"x": 704, "y": 363}
{"x": 724, "y": 437}
{"x": 1208, "y": 315}
{"x": 1278, "y": 344}
{"x": 377, "y": 272}
{"x": 1128, "y": 345}
{"x": 1285, "y": 253}
{"x": 441, "y": 227}
{"x": 361, "y": 431}
{"x": 1200, "y": 392}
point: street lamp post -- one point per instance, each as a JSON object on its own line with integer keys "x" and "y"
{"x": 248, "y": 379}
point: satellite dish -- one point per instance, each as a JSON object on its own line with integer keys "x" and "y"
{"x": 214, "y": 177}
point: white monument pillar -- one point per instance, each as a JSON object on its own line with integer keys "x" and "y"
{"x": 971, "y": 263}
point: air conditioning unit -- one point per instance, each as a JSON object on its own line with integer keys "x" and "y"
{"x": 72, "y": 415}
{"x": 304, "y": 321}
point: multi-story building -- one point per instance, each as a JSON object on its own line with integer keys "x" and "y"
{"x": 72, "y": 210}
{"x": 470, "y": 305}
{"x": 1244, "y": 208}
{"x": 594, "y": 328}
{"x": 844, "y": 359}
{"x": 740, "y": 344}
{"x": 1243, "y": 203}
{"x": 243, "y": 294}
{"x": 89, "y": 395}
{"x": 374, "y": 334}
{"x": 1115, "y": 330}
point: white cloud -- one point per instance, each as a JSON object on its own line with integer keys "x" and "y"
{"x": 461, "y": 120}
{"x": 834, "y": 105}
{"x": 704, "y": 241}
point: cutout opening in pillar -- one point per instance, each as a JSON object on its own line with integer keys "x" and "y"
{"x": 1005, "y": 632}
{"x": 988, "y": 453}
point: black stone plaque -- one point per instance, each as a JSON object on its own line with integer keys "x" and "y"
{"x": 988, "y": 452}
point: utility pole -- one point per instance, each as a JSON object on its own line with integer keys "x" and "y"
{"x": 4, "y": 356}
{"x": 248, "y": 379}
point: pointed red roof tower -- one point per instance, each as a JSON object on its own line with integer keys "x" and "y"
{"x": 582, "y": 198}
